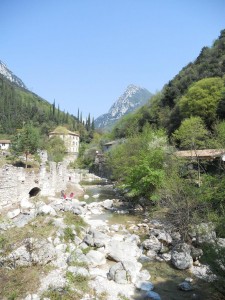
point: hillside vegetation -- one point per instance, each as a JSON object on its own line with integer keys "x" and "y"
{"x": 20, "y": 106}
{"x": 197, "y": 90}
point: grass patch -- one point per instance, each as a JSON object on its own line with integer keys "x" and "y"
{"x": 77, "y": 221}
{"x": 65, "y": 294}
{"x": 76, "y": 262}
{"x": 41, "y": 227}
{"x": 68, "y": 234}
{"x": 78, "y": 281}
{"x": 77, "y": 287}
{"x": 16, "y": 283}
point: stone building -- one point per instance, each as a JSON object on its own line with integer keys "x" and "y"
{"x": 4, "y": 144}
{"x": 71, "y": 140}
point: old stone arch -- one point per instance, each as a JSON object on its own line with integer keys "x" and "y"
{"x": 34, "y": 191}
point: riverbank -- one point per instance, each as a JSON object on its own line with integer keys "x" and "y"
{"x": 88, "y": 248}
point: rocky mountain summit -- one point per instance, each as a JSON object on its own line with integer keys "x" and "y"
{"x": 130, "y": 100}
{"x": 10, "y": 76}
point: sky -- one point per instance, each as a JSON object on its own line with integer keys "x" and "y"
{"x": 83, "y": 54}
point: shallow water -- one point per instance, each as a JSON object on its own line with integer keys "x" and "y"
{"x": 166, "y": 280}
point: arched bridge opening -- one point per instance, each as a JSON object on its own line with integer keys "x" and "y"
{"x": 34, "y": 191}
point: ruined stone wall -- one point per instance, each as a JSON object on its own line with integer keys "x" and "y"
{"x": 16, "y": 183}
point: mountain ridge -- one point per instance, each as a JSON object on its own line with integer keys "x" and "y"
{"x": 132, "y": 98}
{"x": 11, "y": 76}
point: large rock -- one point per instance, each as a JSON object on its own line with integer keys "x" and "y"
{"x": 203, "y": 272}
{"x": 181, "y": 256}
{"x": 150, "y": 295}
{"x": 152, "y": 243}
{"x": 47, "y": 210}
{"x": 96, "y": 238}
{"x": 162, "y": 235}
{"x": 144, "y": 285}
{"x": 122, "y": 250}
{"x": 124, "y": 272}
{"x": 77, "y": 256}
{"x": 32, "y": 252}
{"x": 78, "y": 271}
{"x": 196, "y": 253}
{"x": 107, "y": 204}
{"x": 96, "y": 258}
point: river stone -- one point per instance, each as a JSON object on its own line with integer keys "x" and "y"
{"x": 77, "y": 256}
{"x": 107, "y": 204}
{"x": 96, "y": 196}
{"x": 150, "y": 295}
{"x": 196, "y": 253}
{"x": 203, "y": 272}
{"x": 133, "y": 238}
{"x": 151, "y": 254}
{"x": 152, "y": 243}
{"x": 143, "y": 275}
{"x": 185, "y": 286}
{"x": 166, "y": 256}
{"x": 180, "y": 256}
{"x": 162, "y": 235}
{"x": 124, "y": 272}
{"x": 144, "y": 258}
{"x": 122, "y": 250}
{"x": 96, "y": 258}
{"x": 144, "y": 285}
{"x": 112, "y": 289}
{"x": 47, "y": 210}
{"x": 33, "y": 252}
{"x": 96, "y": 238}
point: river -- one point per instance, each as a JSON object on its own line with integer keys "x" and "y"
{"x": 164, "y": 276}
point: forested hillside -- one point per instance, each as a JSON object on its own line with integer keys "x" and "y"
{"x": 19, "y": 106}
{"x": 197, "y": 90}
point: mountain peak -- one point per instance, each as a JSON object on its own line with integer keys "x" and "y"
{"x": 132, "y": 98}
{"x": 10, "y": 76}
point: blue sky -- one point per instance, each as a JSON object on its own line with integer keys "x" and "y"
{"x": 84, "y": 53}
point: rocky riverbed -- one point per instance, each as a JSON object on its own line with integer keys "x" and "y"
{"x": 52, "y": 248}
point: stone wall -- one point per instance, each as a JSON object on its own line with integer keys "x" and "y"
{"x": 16, "y": 183}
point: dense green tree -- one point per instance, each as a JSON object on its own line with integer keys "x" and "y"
{"x": 192, "y": 134}
{"x": 26, "y": 141}
{"x": 138, "y": 163}
{"x": 202, "y": 99}
{"x": 56, "y": 149}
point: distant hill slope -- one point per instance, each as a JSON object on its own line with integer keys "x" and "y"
{"x": 130, "y": 100}
{"x": 18, "y": 106}
{"x": 10, "y": 76}
{"x": 209, "y": 63}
